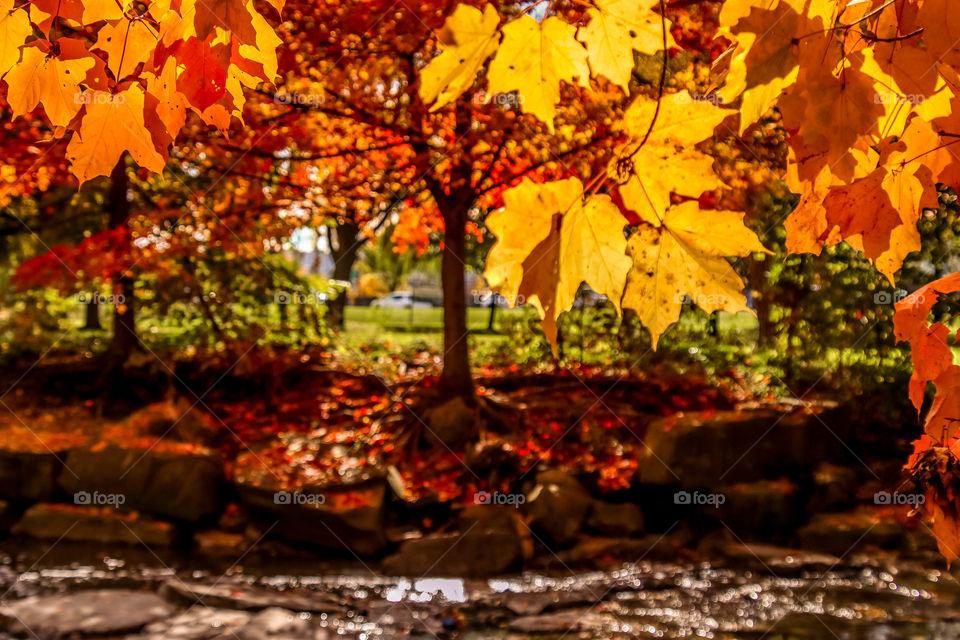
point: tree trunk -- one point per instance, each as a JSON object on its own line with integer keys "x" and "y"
{"x": 456, "y": 379}
{"x": 761, "y": 300}
{"x": 92, "y": 322}
{"x": 344, "y": 256}
{"x": 124, "y": 319}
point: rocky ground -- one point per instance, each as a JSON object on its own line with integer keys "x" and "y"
{"x": 746, "y": 591}
{"x": 589, "y": 478}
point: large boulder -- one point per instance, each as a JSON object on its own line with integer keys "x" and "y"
{"x": 616, "y": 519}
{"x": 93, "y": 524}
{"x": 709, "y": 449}
{"x": 29, "y": 475}
{"x": 89, "y": 613}
{"x": 472, "y": 554}
{"x": 176, "y": 485}
{"x": 348, "y": 517}
{"x": 758, "y": 511}
{"x": 558, "y": 506}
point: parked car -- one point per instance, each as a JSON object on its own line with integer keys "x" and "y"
{"x": 401, "y": 300}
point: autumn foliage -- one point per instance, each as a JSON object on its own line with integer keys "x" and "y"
{"x": 440, "y": 111}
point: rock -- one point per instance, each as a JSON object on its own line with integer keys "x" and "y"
{"x": 575, "y": 620}
{"x": 834, "y": 489}
{"x": 488, "y": 518}
{"x": 407, "y": 617}
{"x": 451, "y": 423}
{"x": 759, "y": 510}
{"x": 532, "y": 603}
{"x": 472, "y": 554}
{"x": 249, "y": 598}
{"x": 93, "y": 524}
{"x": 215, "y": 542}
{"x": 709, "y": 449}
{"x": 558, "y": 506}
{"x": 92, "y": 613}
{"x": 607, "y": 553}
{"x": 618, "y": 520}
{"x": 179, "y": 486}
{"x": 348, "y": 517}
{"x": 196, "y": 623}
{"x": 783, "y": 560}
{"x": 841, "y": 533}
{"x": 29, "y": 476}
{"x": 274, "y": 623}
{"x": 180, "y": 420}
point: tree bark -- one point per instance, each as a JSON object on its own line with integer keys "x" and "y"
{"x": 761, "y": 300}
{"x": 456, "y": 378}
{"x": 344, "y": 257}
{"x": 124, "y": 318}
{"x": 92, "y": 321}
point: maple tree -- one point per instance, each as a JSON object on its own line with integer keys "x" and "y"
{"x": 441, "y": 111}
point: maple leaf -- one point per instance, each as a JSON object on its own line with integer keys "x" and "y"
{"x": 204, "y": 77}
{"x": 616, "y": 29}
{"x": 932, "y": 358}
{"x": 472, "y": 38}
{"x": 766, "y": 59}
{"x": 667, "y": 161}
{"x": 533, "y": 59}
{"x": 549, "y": 241}
{"x": 684, "y": 258}
{"x": 108, "y": 129}
{"x": 172, "y": 105}
{"x": 14, "y": 29}
{"x": 127, "y": 43}
{"x": 234, "y": 16}
{"x": 44, "y": 79}
{"x": 97, "y": 10}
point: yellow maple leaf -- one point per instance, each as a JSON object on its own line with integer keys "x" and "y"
{"x": 616, "y": 29}
{"x": 127, "y": 43}
{"x": 108, "y": 129}
{"x": 667, "y": 162}
{"x": 549, "y": 241}
{"x": 14, "y": 29}
{"x": 766, "y": 59}
{"x": 683, "y": 260}
{"x": 47, "y": 80}
{"x": 97, "y": 10}
{"x": 472, "y": 38}
{"x": 533, "y": 58}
